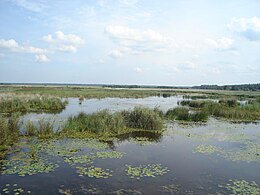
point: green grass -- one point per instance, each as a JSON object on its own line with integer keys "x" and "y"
{"x": 183, "y": 114}
{"x": 106, "y": 123}
{"x": 32, "y": 103}
{"x": 44, "y": 129}
{"x": 102, "y": 92}
{"x": 9, "y": 131}
{"x": 227, "y": 108}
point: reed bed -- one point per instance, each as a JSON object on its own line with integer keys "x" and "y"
{"x": 10, "y": 103}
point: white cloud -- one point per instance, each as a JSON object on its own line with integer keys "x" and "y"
{"x": 31, "y": 5}
{"x": 63, "y": 42}
{"x": 10, "y": 44}
{"x": 223, "y": 43}
{"x": 41, "y": 58}
{"x": 247, "y": 27}
{"x": 138, "y": 70}
{"x": 138, "y": 40}
{"x": 116, "y": 54}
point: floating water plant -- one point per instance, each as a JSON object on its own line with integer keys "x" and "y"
{"x": 83, "y": 159}
{"x": 113, "y": 154}
{"x": 206, "y": 149}
{"x": 13, "y": 189}
{"x": 171, "y": 188}
{"x": 27, "y": 166}
{"x": 249, "y": 153}
{"x": 242, "y": 187}
{"x": 143, "y": 141}
{"x": 126, "y": 191}
{"x": 149, "y": 170}
{"x": 93, "y": 171}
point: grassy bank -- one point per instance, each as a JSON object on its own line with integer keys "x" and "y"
{"x": 227, "y": 108}
{"x": 30, "y": 103}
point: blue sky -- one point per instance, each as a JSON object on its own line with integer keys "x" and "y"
{"x": 169, "y": 42}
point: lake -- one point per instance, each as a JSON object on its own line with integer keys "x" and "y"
{"x": 212, "y": 158}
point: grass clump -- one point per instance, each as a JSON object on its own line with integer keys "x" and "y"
{"x": 227, "y": 108}
{"x": 183, "y": 114}
{"x": 143, "y": 118}
{"x": 44, "y": 129}
{"x": 98, "y": 123}
{"x": 32, "y": 103}
{"x": 9, "y": 131}
{"x": 106, "y": 123}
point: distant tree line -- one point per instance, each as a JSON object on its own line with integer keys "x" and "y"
{"x": 244, "y": 87}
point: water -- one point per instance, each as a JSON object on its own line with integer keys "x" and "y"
{"x": 237, "y": 156}
{"x": 94, "y": 105}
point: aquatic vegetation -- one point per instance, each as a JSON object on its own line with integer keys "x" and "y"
{"x": 30, "y": 103}
{"x": 9, "y": 132}
{"x": 183, "y": 114}
{"x": 143, "y": 118}
{"x": 93, "y": 171}
{"x": 113, "y": 154}
{"x": 27, "y": 166}
{"x": 227, "y": 108}
{"x": 143, "y": 141}
{"x": 171, "y": 188}
{"x": 55, "y": 149}
{"x": 249, "y": 153}
{"x": 82, "y": 159}
{"x": 206, "y": 149}
{"x": 106, "y": 123}
{"x": 98, "y": 123}
{"x": 86, "y": 188}
{"x": 149, "y": 170}
{"x": 13, "y": 189}
{"x": 126, "y": 191}
{"x": 30, "y": 129}
{"x": 242, "y": 187}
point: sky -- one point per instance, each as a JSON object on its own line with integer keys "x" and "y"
{"x": 148, "y": 42}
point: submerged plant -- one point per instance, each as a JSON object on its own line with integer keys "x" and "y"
{"x": 143, "y": 141}
{"x": 93, "y": 171}
{"x": 149, "y": 170}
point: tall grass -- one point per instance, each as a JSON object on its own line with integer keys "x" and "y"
{"x": 9, "y": 130}
{"x": 143, "y": 118}
{"x": 44, "y": 129}
{"x": 183, "y": 114}
{"x": 227, "y": 108}
{"x": 33, "y": 103}
{"x": 104, "y": 122}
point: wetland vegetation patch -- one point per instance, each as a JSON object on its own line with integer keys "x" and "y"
{"x": 149, "y": 170}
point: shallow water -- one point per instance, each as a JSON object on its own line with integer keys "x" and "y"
{"x": 190, "y": 172}
{"x": 200, "y": 159}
